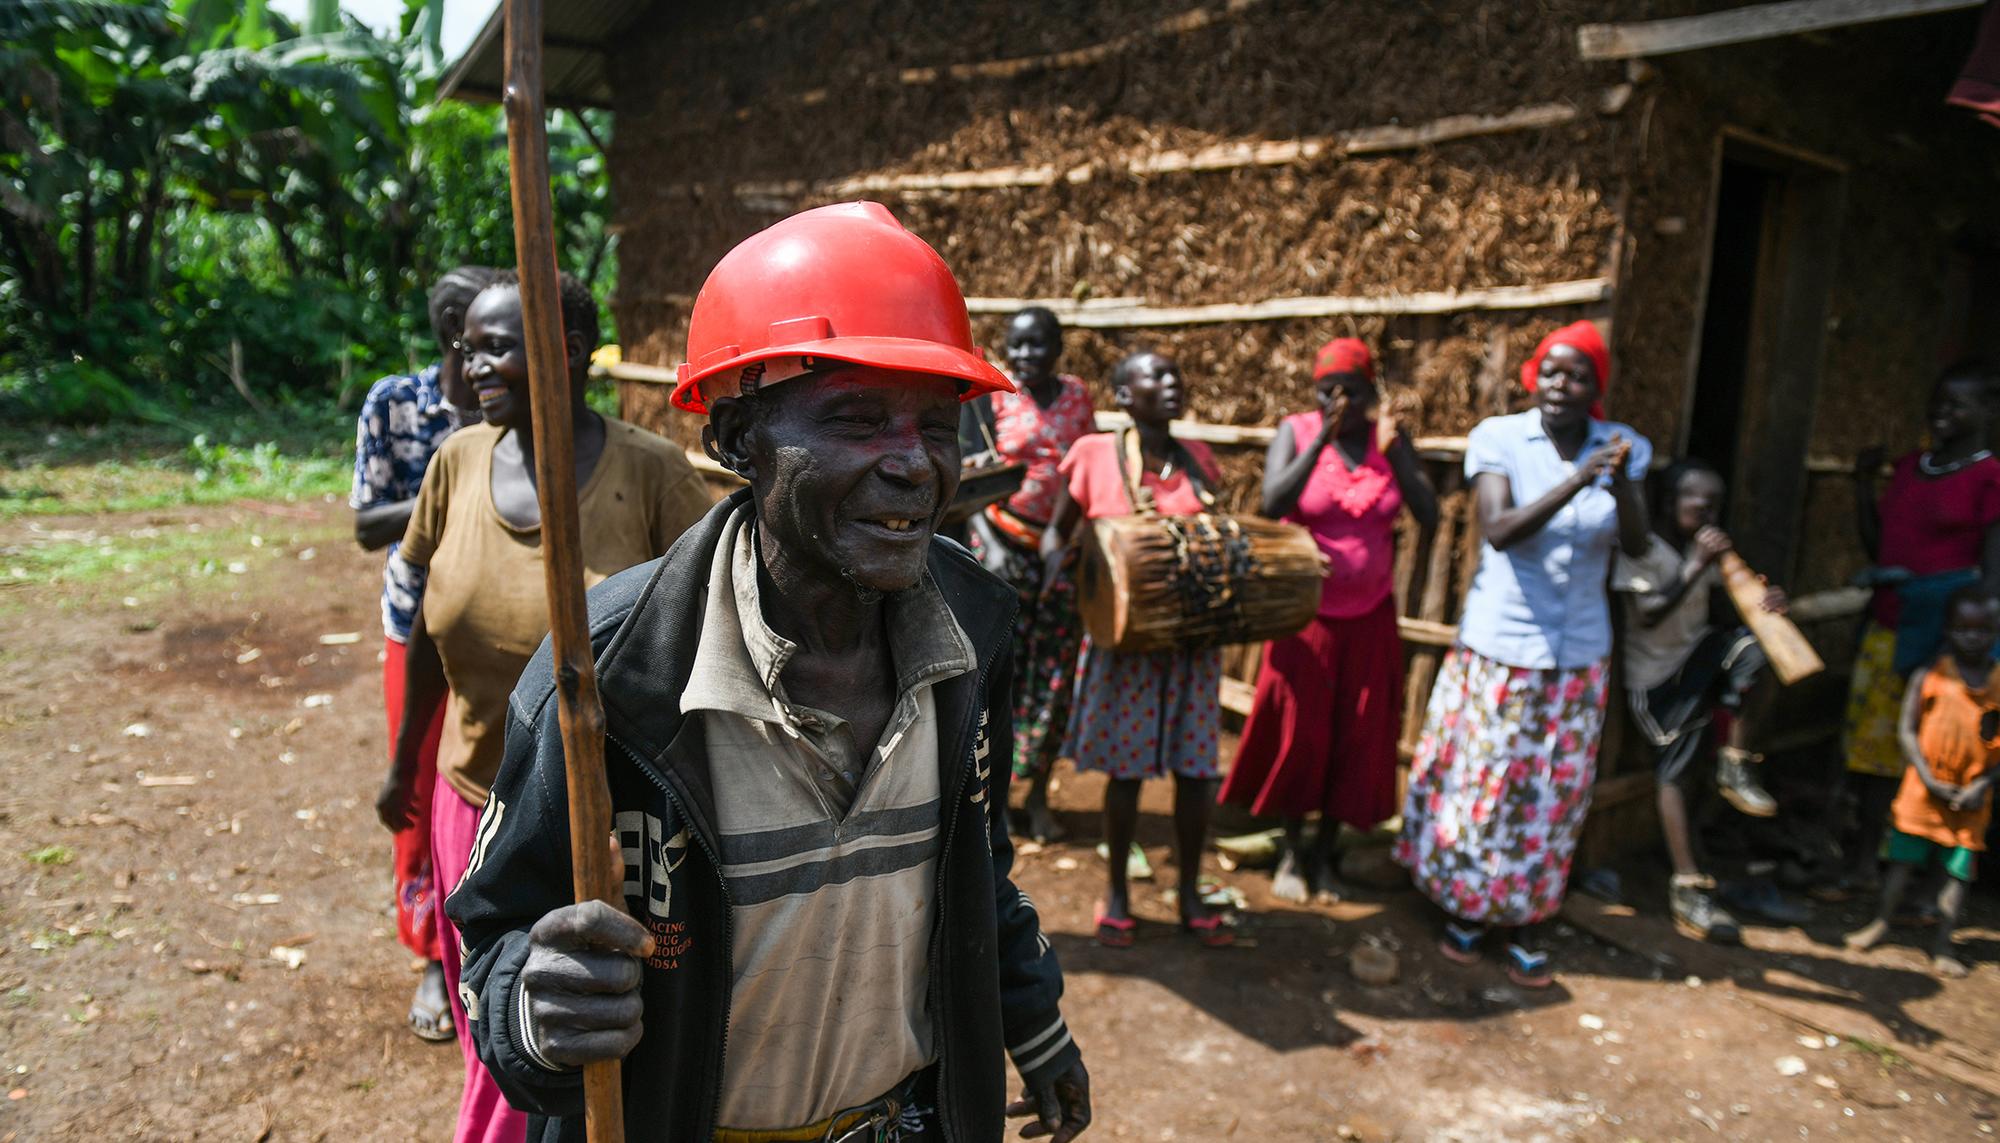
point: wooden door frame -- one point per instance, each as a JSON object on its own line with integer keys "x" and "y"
{"x": 1812, "y": 197}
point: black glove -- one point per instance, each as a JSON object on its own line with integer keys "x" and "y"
{"x": 582, "y": 980}
{"x": 1060, "y": 1106}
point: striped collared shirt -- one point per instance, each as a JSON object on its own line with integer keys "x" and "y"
{"x": 829, "y": 850}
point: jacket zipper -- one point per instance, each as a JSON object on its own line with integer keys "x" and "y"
{"x": 969, "y": 733}
{"x": 728, "y": 922}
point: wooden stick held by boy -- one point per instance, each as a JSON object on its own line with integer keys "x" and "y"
{"x": 1790, "y": 652}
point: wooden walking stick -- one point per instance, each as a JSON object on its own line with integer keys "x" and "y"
{"x": 578, "y": 707}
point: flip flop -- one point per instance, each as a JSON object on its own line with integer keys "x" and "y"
{"x": 1460, "y": 944}
{"x": 432, "y": 1024}
{"x": 1528, "y": 969}
{"x": 1113, "y": 932}
{"x": 1212, "y": 930}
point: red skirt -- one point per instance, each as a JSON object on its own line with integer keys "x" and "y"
{"x": 415, "y": 884}
{"x": 1321, "y": 736}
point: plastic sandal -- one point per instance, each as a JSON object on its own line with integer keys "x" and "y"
{"x": 1460, "y": 943}
{"x": 1113, "y": 932}
{"x": 1212, "y": 931}
{"x": 1528, "y": 969}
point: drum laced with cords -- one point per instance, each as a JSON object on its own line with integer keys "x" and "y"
{"x": 1149, "y": 582}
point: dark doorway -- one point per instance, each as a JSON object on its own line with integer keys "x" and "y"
{"x": 1756, "y": 380}
{"x": 1972, "y": 304}
{"x": 1741, "y": 194}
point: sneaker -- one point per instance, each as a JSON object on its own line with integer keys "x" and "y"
{"x": 1739, "y": 787}
{"x": 1697, "y": 914}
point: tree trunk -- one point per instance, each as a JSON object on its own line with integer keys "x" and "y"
{"x": 121, "y": 243}
{"x": 86, "y": 254}
{"x": 287, "y": 249}
{"x": 141, "y": 276}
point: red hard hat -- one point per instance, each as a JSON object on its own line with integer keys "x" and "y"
{"x": 831, "y": 285}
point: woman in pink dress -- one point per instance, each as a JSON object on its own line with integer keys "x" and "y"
{"x": 1321, "y": 737}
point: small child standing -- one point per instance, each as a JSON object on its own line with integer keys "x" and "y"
{"x": 1950, "y": 736}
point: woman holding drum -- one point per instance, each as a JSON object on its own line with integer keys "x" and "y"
{"x": 1144, "y": 715}
{"x": 1036, "y": 427}
{"x": 1321, "y": 736}
{"x": 1501, "y": 779}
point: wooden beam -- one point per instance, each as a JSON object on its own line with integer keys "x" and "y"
{"x": 1427, "y": 632}
{"x": 1237, "y": 696}
{"x": 1179, "y": 24}
{"x": 1062, "y": 306}
{"x": 1585, "y": 291}
{"x": 1259, "y": 436}
{"x": 1745, "y": 25}
{"x": 1230, "y": 156}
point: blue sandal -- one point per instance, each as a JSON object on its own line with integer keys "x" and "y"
{"x": 1528, "y": 969}
{"x": 1460, "y": 943}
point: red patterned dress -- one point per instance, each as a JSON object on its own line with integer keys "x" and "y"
{"x": 1006, "y": 539}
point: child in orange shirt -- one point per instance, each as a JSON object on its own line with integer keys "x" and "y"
{"x": 1950, "y": 735}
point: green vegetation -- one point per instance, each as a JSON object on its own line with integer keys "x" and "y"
{"x": 204, "y": 207}
{"x": 52, "y": 855}
{"x": 1884, "y": 1055}
{"x": 298, "y": 450}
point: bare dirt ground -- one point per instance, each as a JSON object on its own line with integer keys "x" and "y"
{"x": 195, "y": 939}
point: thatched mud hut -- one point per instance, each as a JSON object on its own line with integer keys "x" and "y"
{"x": 1783, "y": 226}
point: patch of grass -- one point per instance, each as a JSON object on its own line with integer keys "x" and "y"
{"x": 52, "y": 855}
{"x": 145, "y": 560}
{"x": 1885, "y": 1055}
{"x": 48, "y": 939}
{"x": 210, "y": 457}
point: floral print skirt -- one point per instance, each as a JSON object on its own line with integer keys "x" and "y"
{"x": 1874, "y": 706}
{"x": 1047, "y": 635}
{"x": 1500, "y": 785}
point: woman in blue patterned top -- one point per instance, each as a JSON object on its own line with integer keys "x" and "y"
{"x": 1500, "y": 782}
{"x": 403, "y": 421}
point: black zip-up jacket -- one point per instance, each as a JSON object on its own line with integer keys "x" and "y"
{"x": 994, "y": 982}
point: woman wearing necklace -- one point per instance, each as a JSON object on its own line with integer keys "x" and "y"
{"x": 1500, "y": 782}
{"x": 1144, "y": 715}
{"x": 1035, "y": 426}
{"x": 1321, "y": 737}
{"x": 1934, "y": 528}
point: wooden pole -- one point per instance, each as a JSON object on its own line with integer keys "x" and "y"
{"x": 578, "y": 707}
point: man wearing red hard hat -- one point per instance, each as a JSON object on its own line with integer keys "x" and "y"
{"x": 806, "y": 703}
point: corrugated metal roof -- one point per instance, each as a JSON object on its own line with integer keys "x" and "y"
{"x": 576, "y": 37}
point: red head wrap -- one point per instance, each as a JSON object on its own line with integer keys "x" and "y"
{"x": 1583, "y": 337}
{"x": 1344, "y": 355}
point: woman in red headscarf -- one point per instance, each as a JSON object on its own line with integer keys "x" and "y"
{"x": 1500, "y": 781}
{"x": 1321, "y": 738}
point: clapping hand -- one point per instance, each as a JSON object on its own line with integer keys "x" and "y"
{"x": 1386, "y": 430}
{"x": 1608, "y": 460}
{"x": 1332, "y": 412}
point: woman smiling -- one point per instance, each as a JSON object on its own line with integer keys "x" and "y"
{"x": 477, "y": 528}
